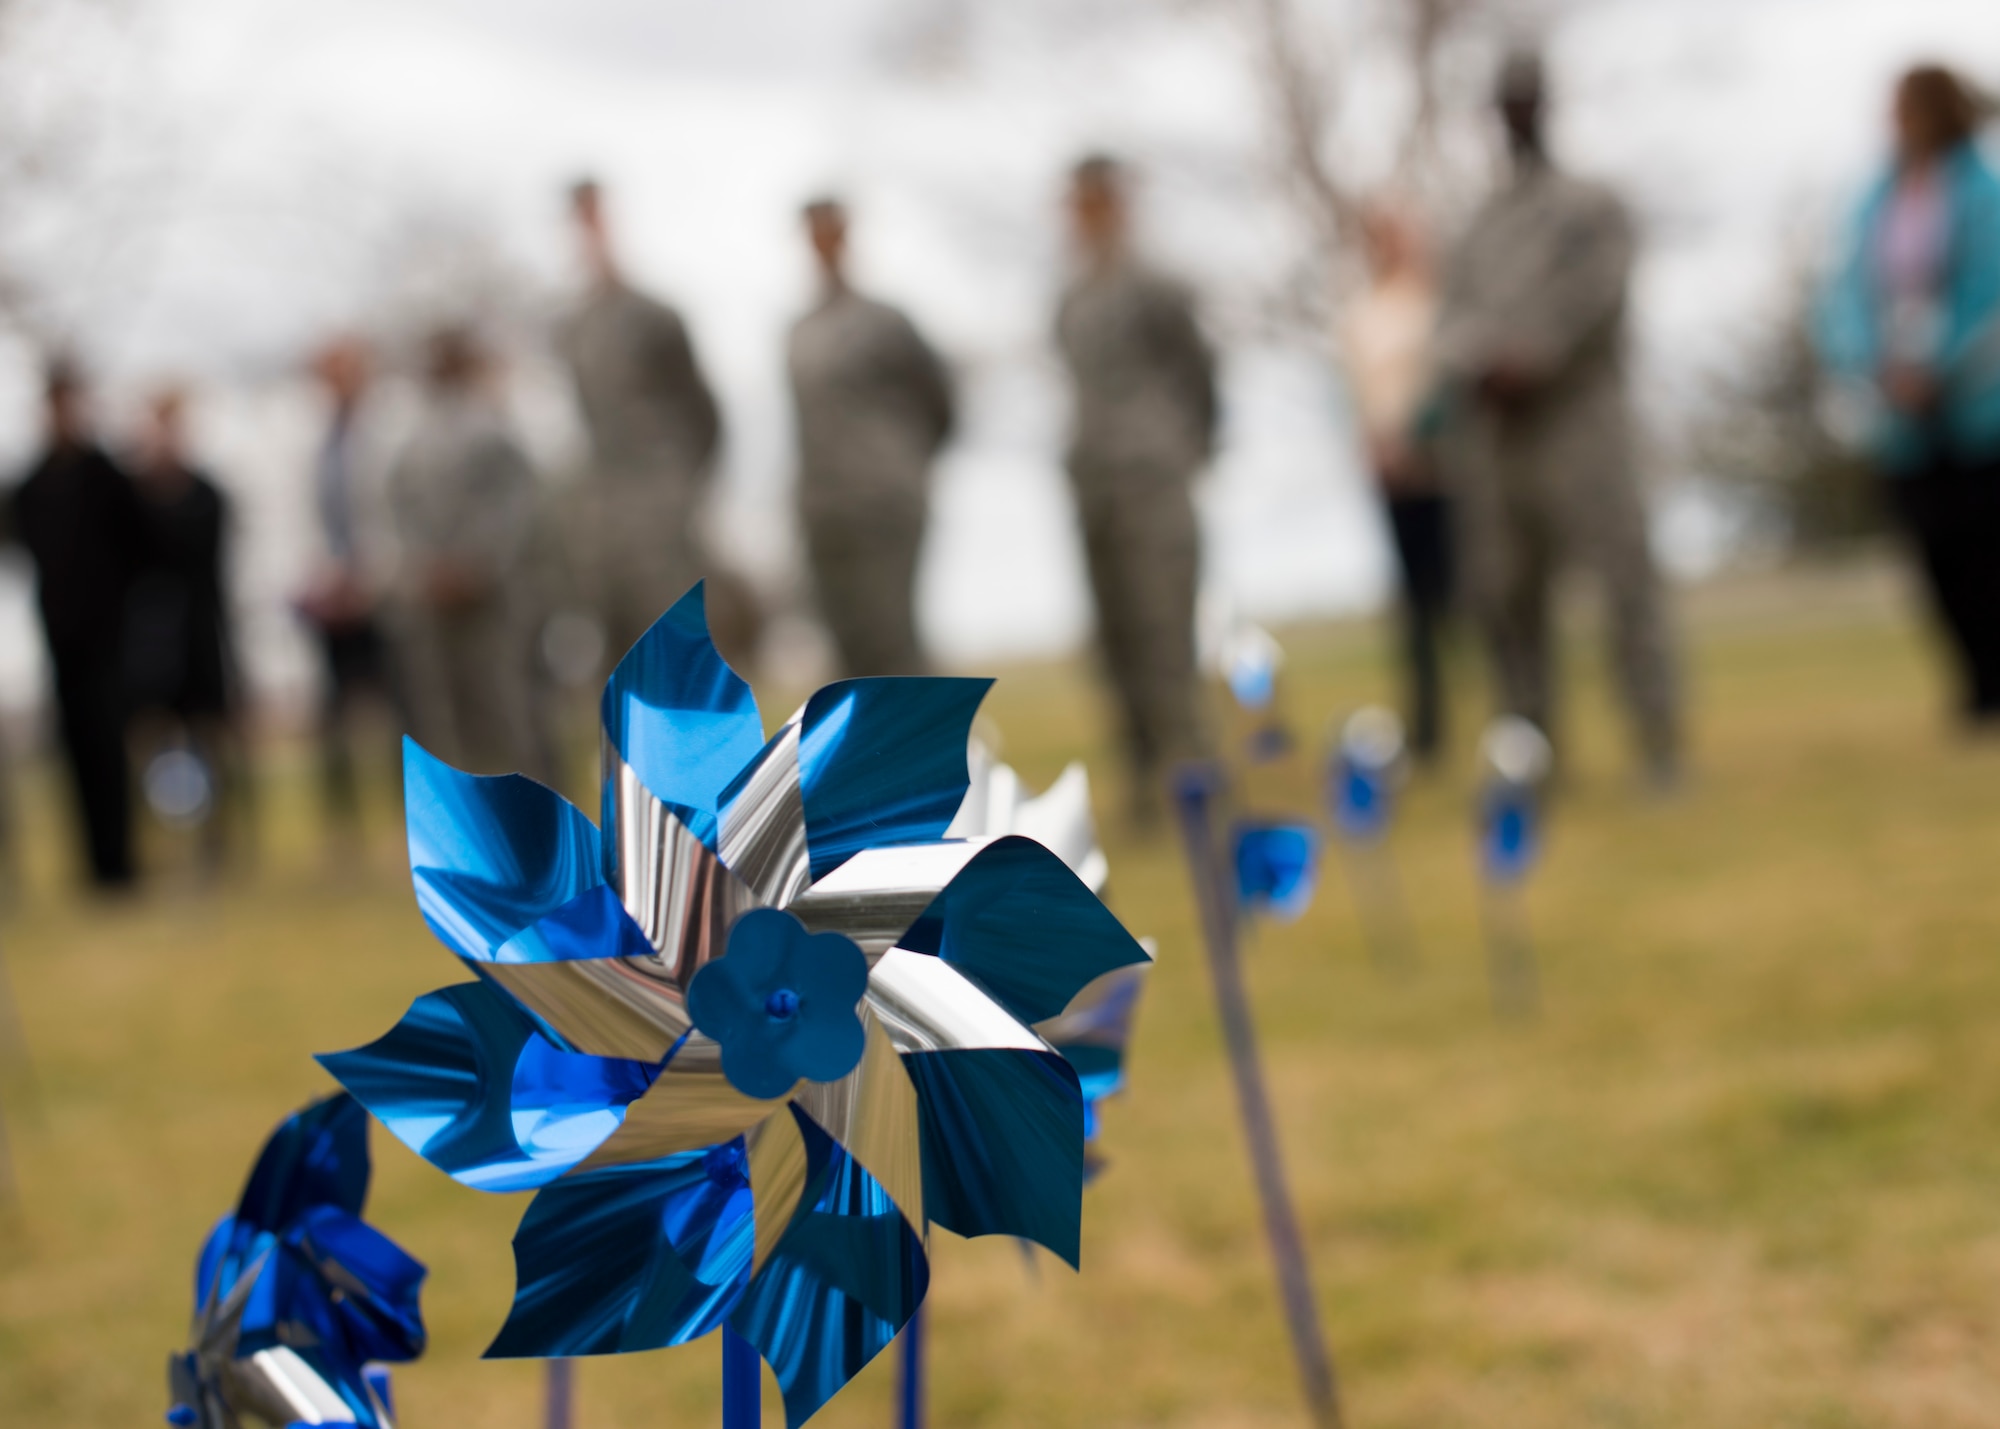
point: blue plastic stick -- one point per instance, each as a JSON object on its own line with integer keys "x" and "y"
{"x": 561, "y": 1387}
{"x": 1196, "y": 790}
{"x": 742, "y": 1382}
{"x": 912, "y": 1393}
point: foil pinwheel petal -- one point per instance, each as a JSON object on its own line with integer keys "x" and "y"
{"x": 675, "y": 1190}
{"x": 468, "y": 1082}
{"x": 680, "y": 718}
{"x": 294, "y": 1293}
{"x": 1092, "y": 1031}
{"x": 490, "y": 855}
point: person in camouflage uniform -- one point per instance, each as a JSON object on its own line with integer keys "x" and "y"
{"x": 1537, "y": 430}
{"x": 654, "y": 428}
{"x": 1145, "y": 420}
{"x": 874, "y": 404}
{"x": 462, "y": 499}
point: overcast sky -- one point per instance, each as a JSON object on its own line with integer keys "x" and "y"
{"x": 272, "y": 166}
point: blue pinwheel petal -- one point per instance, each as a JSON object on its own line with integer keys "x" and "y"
{"x": 594, "y": 924}
{"x": 842, "y": 1281}
{"x": 882, "y": 761}
{"x": 680, "y": 717}
{"x": 1274, "y": 867}
{"x": 468, "y": 1082}
{"x": 632, "y": 1257}
{"x": 378, "y": 1282}
{"x": 1024, "y": 927}
{"x": 317, "y": 1157}
{"x": 209, "y": 1263}
{"x": 1003, "y": 1133}
{"x": 491, "y": 855}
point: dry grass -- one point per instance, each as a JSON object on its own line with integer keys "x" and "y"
{"x": 1745, "y": 1173}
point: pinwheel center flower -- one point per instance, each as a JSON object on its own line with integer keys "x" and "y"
{"x": 781, "y": 1003}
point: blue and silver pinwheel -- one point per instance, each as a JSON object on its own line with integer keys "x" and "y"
{"x": 750, "y": 1038}
{"x": 297, "y": 1300}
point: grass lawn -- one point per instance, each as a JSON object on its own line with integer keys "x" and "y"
{"x": 1745, "y": 1172}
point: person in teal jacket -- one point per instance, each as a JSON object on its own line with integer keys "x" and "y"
{"x": 1911, "y": 324}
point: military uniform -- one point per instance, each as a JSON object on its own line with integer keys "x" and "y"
{"x": 874, "y": 405}
{"x": 463, "y": 492}
{"x": 654, "y": 427}
{"x": 1548, "y": 477}
{"x": 1145, "y": 421}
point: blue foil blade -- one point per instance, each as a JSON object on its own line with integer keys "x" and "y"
{"x": 882, "y": 761}
{"x": 374, "y": 1283}
{"x": 842, "y": 1281}
{"x": 680, "y": 717}
{"x": 632, "y": 1257}
{"x": 317, "y": 1157}
{"x": 594, "y": 924}
{"x": 468, "y": 1082}
{"x": 1003, "y": 1144}
{"x": 490, "y": 856}
{"x": 1024, "y": 927}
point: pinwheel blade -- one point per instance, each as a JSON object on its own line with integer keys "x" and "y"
{"x": 846, "y": 1276}
{"x": 872, "y": 1114}
{"x": 317, "y": 1157}
{"x": 468, "y": 1082}
{"x": 490, "y": 856}
{"x": 1025, "y": 928}
{"x": 1003, "y": 1144}
{"x": 680, "y": 718}
{"x": 372, "y": 1283}
{"x": 882, "y": 761}
{"x": 631, "y": 1257}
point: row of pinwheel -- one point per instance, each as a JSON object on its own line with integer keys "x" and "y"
{"x": 750, "y": 1037}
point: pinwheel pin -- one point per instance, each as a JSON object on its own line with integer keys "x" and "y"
{"x": 297, "y": 1300}
{"x": 753, "y": 1037}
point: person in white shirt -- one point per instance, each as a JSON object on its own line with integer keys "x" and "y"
{"x": 1385, "y": 339}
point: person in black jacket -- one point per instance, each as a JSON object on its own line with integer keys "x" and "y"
{"x": 179, "y": 668}
{"x": 78, "y": 516}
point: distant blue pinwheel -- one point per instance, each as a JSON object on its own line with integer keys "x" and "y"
{"x": 699, "y": 1163}
{"x": 295, "y": 1297}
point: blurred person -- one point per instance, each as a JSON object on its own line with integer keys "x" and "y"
{"x": 654, "y": 429}
{"x": 1913, "y": 317}
{"x": 1145, "y": 422}
{"x": 341, "y": 603}
{"x": 78, "y": 516}
{"x": 1386, "y": 337}
{"x": 1530, "y": 348}
{"x": 462, "y": 497}
{"x": 179, "y": 661}
{"x": 874, "y": 405}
